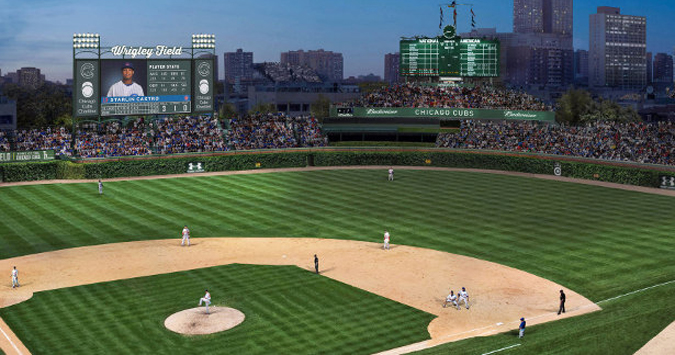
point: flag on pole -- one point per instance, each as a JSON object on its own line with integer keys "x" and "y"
{"x": 454, "y": 18}
{"x": 440, "y": 24}
{"x": 454, "y": 3}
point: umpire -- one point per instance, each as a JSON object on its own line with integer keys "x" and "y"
{"x": 562, "y": 302}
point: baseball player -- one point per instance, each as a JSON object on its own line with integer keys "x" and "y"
{"x": 452, "y": 298}
{"x": 562, "y": 302}
{"x": 386, "y": 240}
{"x": 391, "y": 174}
{"x": 126, "y": 86}
{"x": 521, "y": 328}
{"x": 100, "y": 187}
{"x": 15, "y": 278}
{"x": 206, "y": 299}
{"x": 463, "y": 296}
{"x": 186, "y": 237}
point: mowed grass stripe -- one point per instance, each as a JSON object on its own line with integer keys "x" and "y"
{"x": 277, "y": 319}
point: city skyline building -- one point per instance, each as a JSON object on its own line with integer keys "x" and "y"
{"x": 238, "y": 66}
{"x": 328, "y": 64}
{"x": 391, "y": 67}
{"x": 617, "y": 49}
{"x": 663, "y": 68}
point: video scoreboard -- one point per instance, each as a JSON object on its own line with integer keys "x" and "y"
{"x": 468, "y": 57}
{"x": 167, "y": 91}
{"x": 143, "y": 85}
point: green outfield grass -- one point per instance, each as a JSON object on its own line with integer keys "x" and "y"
{"x": 288, "y": 311}
{"x": 597, "y": 241}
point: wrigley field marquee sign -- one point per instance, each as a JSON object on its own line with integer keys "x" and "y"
{"x": 458, "y": 113}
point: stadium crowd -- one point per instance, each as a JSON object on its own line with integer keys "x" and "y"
{"x": 112, "y": 139}
{"x": 640, "y": 142}
{"x": 187, "y": 134}
{"x": 271, "y": 130}
{"x": 481, "y": 97}
{"x": 57, "y": 139}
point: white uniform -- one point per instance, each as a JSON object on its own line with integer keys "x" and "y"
{"x": 391, "y": 174}
{"x": 186, "y": 237}
{"x": 386, "y": 241}
{"x": 100, "y": 188}
{"x": 207, "y": 300}
{"x": 452, "y": 298}
{"x": 122, "y": 89}
{"x": 15, "y": 278}
{"x": 464, "y": 296}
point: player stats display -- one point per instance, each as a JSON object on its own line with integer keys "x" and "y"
{"x": 145, "y": 87}
{"x": 456, "y": 57}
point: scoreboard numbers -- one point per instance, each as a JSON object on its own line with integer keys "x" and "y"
{"x": 449, "y": 57}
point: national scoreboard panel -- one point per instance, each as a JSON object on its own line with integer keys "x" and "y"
{"x": 167, "y": 92}
{"x": 439, "y": 57}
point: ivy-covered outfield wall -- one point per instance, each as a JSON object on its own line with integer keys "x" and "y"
{"x": 632, "y": 174}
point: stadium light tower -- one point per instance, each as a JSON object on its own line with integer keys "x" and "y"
{"x": 86, "y": 42}
{"x": 203, "y": 43}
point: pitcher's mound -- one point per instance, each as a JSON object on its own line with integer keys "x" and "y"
{"x": 196, "y": 321}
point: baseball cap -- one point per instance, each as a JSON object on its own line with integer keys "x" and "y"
{"x": 128, "y": 65}
{"x": 522, "y": 318}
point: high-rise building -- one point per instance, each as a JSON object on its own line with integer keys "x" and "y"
{"x": 581, "y": 66}
{"x": 329, "y": 65}
{"x": 663, "y": 68}
{"x": 617, "y": 49}
{"x": 540, "y": 51}
{"x": 543, "y": 16}
{"x": 30, "y": 77}
{"x": 650, "y": 68}
{"x": 238, "y": 66}
{"x": 391, "y": 67}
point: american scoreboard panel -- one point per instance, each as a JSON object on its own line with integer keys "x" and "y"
{"x": 449, "y": 57}
{"x": 157, "y": 87}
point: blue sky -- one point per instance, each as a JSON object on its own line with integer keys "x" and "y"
{"x": 39, "y": 33}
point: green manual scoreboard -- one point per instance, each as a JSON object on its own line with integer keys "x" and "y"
{"x": 468, "y": 57}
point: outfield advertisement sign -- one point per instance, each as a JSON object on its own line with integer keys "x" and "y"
{"x": 27, "y": 156}
{"x": 458, "y": 113}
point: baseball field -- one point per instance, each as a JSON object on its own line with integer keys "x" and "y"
{"x": 255, "y": 235}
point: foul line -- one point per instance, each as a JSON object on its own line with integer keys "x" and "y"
{"x": 498, "y": 350}
{"x": 636, "y": 291}
{"x": 10, "y": 341}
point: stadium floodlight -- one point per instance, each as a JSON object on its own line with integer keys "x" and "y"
{"x": 203, "y": 41}
{"x": 86, "y": 40}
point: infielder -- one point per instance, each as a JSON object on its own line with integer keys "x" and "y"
{"x": 463, "y": 296}
{"x": 521, "y": 328}
{"x": 386, "y": 241}
{"x": 100, "y": 187}
{"x": 186, "y": 237}
{"x": 391, "y": 174}
{"x": 15, "y": 278}
{"x": 452, "y": 298}
{"x": 206, "y": 299}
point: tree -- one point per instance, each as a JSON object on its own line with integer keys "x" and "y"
{"x": 263, "y": 108}
{"x": 320, "y": 108}
{"x": 227, "y": 111}
{"x": 572, "y": 106}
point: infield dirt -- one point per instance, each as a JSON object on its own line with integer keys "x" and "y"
{"x": 419, "y": 278}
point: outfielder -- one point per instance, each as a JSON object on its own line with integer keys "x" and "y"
{"x": 386, "y": 240}
{"x": 206, "y": 299}
{"x": 391, "y": 174}
{"x": 15, "y": 278}
{"x": 521, "y": 328}
{"x": 186, "y": 237}
{"x": 100, "y": 187}
{"x": 452, "y": 298}
{"x": 463, "y": 296}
